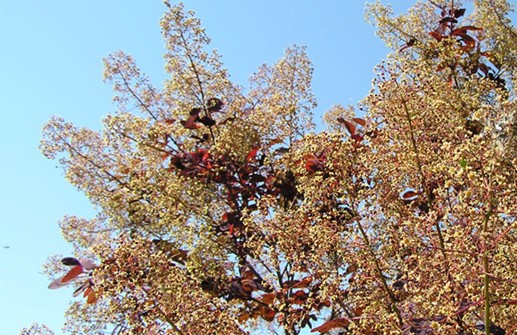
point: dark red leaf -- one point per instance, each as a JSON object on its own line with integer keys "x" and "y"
{"x": 190, "y": 123}
{"x": 303, "y": 283}
{"x": 349, "y": 125}
{"x": 360, "y": 121}
{"x": 329, "y": 325}
{"x": 207, "y": 121}
{"x": 313, "y": 163}
{"x": 409, "y": 195}
{"x": 357, "y": 137}
{"x": 459, "y": 12}
{"x": 72, "y": 274}
{"x": 448, "y": 19}
{"x": 268, "y": 298}
{"x": 437, "y": 35}
{"x": 92, "y": 297}
{"x": 472, "y": 28}
{"x": 195, "y": 111}
{"x": 70, "y": 261}
{"x": 267, "y": 313}
{"x": 214, "y": 105}
{"x": 253, "y": 152}
{"x": 300, "y": 297}
{"x": 470, "y": 42}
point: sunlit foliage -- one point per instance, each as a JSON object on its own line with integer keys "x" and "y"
{"x": 221, "y": 211}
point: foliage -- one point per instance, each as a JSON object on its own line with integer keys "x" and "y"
{"x": 221, "y": 211}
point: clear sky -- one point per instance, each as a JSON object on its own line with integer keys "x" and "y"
{"x": 51, "y": 64}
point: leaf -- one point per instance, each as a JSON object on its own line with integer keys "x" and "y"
{"x": 459, "y": 12}
{"x": 361, "y": 121}
{"x": 83, "y": 288}
{"x": 72, "y": 274}
{"x": 409, "y": 195}
{"x": 448, "y": 19}
{"x": 253, "y": 152}
{"x": 303, "y": 283}
{"x": 207, "y": 121}
{"x": 92, "y": 298}
{"x": 329, "y": 325}
{"x": 58, "y": 283}
{"x": 437, "y": 35}
{"x": 472, "y": 28}
{"x": 87, "y": 264}
{"x": 190, "y": 123}
{"x": 249, "y": 285}
{"x": 300, "y": 297}
{"x": 463, "y": 163}
{"x": 87, "y": 291}
{"x": 268, "y": 298}
{"x": 314, "y": 163}
{"x": 470, "y": 42}
{"x": 267, "y": 313}
{"x": 243, "y": 317}
{"x": 214, "y": 105}
{"x": 357, "y": 137}
{"x": 70, "y": 261}
{"x": 349, "y": 125}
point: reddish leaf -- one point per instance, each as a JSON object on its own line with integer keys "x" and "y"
{"x": 303, "y": 283}
{"x": 437, "y": 35}
{"x": 357, "y": 137}
{"x": 360, "y": 121}
{"x": 243, "y": 317}
{"x": 465, "y": 28}
{"x": 249, "y": 285}
{"x": 314, "y": 163}
{"x": 191, "y": 122}
{"x": 253, "y": 152}
{"x": 348, "y": 125}
{"x": 329, "y": 325}
{"x": 300, "y": 297}
{"x": 409, "y": 195}
{"x": 92, "y": 297}
{"x": 214, "y": 105}
{"x": 72, "y": 274}
{"x": 268, "y": 298}
{"x": 470, "y": 42}
{"x": 87, "y": 291}
{"x": 267, "y": 313}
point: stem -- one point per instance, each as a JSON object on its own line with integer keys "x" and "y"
{"x": 423, "y": 181}
{"x": 391, "y": 297}
{"x": 486, "y": 277}
{"x": 198, "y": 78}
{"x": 165, "y": 316}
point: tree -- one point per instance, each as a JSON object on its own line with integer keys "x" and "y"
{"x": 221, "y": 211}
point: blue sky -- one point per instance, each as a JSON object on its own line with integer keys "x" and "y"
{"x": 51, "y": 64}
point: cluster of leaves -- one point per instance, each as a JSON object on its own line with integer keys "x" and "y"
{"x": 221, "y": 212}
